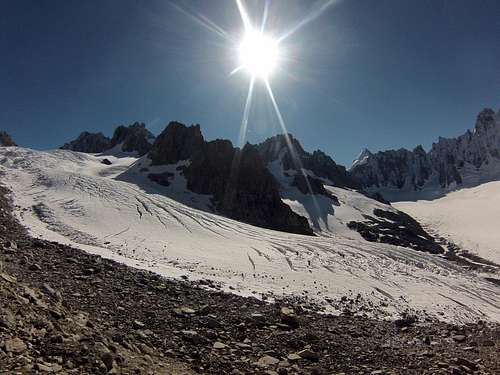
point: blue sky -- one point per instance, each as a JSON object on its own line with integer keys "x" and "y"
{"x": 376, "y": 74}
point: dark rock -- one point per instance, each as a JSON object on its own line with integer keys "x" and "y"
{"x": 177, "y": 142}
{"x": 396, "y": 228}
{"x": 133, "y": 138}
{"x": 6, "y": 140}
{"x": 88, "y": 142}
{"x": 289, "y": 317}
{"x": 309, "y": 354}
{"x": 161, "y": 178}
{"x": 106, "y": 162}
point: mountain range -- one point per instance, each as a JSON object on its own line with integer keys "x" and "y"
{"x": 265, "y": 218}
{"x": 451, "y": 163}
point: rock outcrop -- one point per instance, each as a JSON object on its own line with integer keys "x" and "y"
{"x": 133, "y": 138}
{"x": 471, "y": 158}
{"x": 89, "y": 142}
{"x": 396, "y": 228}
{"x": 241, "y": 186}
{"x": 177, "y": 142}
{"x": 6, "y": 140}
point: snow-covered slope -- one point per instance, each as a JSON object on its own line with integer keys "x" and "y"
{"x": 74, "y": 198}
{"x": 469, "y": 217}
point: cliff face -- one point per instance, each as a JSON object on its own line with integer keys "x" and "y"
{"x": 470, "y": 158}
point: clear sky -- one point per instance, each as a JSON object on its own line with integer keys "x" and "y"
{"x": 377, "y": 74}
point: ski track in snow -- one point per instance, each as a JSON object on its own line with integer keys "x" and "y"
{"x": 73, "y": 198}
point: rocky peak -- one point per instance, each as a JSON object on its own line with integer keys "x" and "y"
{"x": 134, "y": 138}
{"x": 177, "y": 142}
{"x": 6, "y": 140}
{"x": 485, "y": 121}
{"x": 318, "y": 162}
{"x": 88, "y": 142}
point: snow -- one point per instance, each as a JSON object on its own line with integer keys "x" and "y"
{"x": 115, "y": 212}
{"x": 468, "y": 217}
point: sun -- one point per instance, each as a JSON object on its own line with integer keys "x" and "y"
{"x": 258, "y": 54}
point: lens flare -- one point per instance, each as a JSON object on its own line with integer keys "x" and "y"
{"x": 258, "y": 53}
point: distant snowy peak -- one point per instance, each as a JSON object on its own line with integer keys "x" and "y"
{"x": 6, "y": 140}
{"x": 467, "y": 160}
{"x": 130, "y": 139}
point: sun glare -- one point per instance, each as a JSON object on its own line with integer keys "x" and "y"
{"x": 259, "y": 54}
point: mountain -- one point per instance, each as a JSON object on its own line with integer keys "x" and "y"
{"x": 133, "y": 138}
{"x": 275, "y": 184}
{"x": 89, "y": 142}
{"x": 130, "y": 139}
{"x": 467, "y": 160}
{"x": 238, "y": 181}
{"x": 6, "y": 140}
{"x": 74, "y": 199}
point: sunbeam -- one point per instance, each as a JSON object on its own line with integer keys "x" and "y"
{"x": 205, "y": 22}
{"x": 295, "y": 158}
{"x": 246, "y": 112}
{"x": 315, "y": 13}
{"x": 244, "y": 16}
{"x": 264, "y": 16}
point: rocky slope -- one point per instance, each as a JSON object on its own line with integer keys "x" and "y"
{"x": 65, "y": 311}
{"x": 131, "y": 139}
{"x": 6, "y": 140}
{"x": 238, "y": 180}
{"x": 467, "y": 160}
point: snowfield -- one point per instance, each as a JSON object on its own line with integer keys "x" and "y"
{"x": 112, "y": 211}
{"x": 469, "y": 217}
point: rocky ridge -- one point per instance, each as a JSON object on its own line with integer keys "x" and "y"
{"x": 471, "y": 158}
{"x": 134, "y": 138}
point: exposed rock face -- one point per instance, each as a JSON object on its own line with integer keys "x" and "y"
{"x": 6, "y": 140}
{"x": 473, "y": 157}
{"x": 134, "y": 138}
{"x": 177, "y": 142}
{"x": 241, "y": 185}
{"x": 393, "y": 168}
{"x": 88, "y": 142}
{"x": 396, "y": 228}
{"x": 318, "y": 162}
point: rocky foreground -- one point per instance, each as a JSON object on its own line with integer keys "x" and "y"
{"x": 65, "y": 311}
